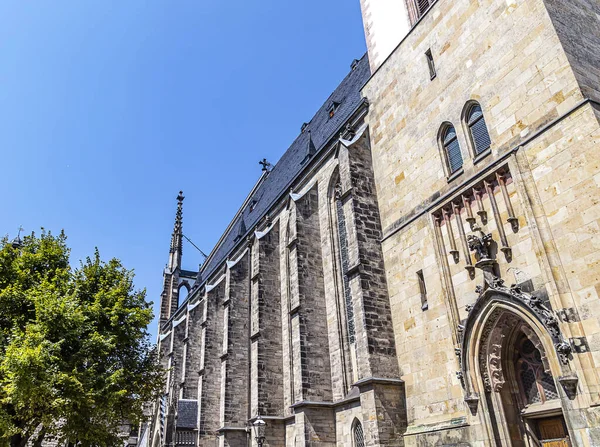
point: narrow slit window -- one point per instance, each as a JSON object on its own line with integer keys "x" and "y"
{"x": 422, "y": 290}
{"x": 431, "y": 64}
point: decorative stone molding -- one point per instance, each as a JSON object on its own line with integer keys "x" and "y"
{"x": 569, "y": 384}
{"x": 481, "y": 246}
{"x": 472, "y": 401}
{"x": 532, "y": 336}
{"x": 466, "y": 209}
{"x": 500, "y": 321}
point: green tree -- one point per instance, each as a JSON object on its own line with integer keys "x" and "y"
{"x": 75, "y": 356}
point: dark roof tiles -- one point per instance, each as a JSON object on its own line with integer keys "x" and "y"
{"x": 319, "y": 131}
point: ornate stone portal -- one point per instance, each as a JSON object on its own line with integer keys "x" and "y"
{"x": 502, "y": 322}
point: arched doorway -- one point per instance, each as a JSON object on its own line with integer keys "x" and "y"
{"x": 521, "y": 393}
{"x": 512, "y": 357}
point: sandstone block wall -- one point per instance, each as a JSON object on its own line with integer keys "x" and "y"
{"x": 267, "y": 372}
{"x": 532, "y": 81}
{"x": 209, "y": 392}
{"x": 268, "y": 333}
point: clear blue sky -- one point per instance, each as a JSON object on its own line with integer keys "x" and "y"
{"x": 108, "y": 109}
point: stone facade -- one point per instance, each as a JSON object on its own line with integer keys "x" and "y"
{"x": 370, "y": 292}
{"x": 294, "y": 323}
{"x": 532, "y": 66}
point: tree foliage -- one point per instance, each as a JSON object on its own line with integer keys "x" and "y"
{"x": 75, "y": 357}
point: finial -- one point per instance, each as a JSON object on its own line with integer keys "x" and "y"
{"x": 179, "y": 215}
{"x": 266, "y": 166}
{"x": 176, "y": 240}
{"x": 350, "y": 131}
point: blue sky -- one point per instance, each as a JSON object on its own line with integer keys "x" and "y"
{"x": 108, "y": 109}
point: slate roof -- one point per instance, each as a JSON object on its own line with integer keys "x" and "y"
{"x": 321, "y": 129}
{"x": 187, "y": 413}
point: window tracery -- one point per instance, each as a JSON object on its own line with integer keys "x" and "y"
{"x": 343, "y": 250}
{"x": 536, "y": 385}
{"x": 344, "y": 304}
{"x": 359, "y": 439}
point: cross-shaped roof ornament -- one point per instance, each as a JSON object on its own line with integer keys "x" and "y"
{"x": 266, "y": 166}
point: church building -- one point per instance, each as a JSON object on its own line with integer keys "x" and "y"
{"x": 422, "y": 265}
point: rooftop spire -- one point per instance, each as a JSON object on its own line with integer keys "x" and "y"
{"x": 177, "y": 237}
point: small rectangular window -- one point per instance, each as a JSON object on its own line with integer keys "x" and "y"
{"x": 422, "y": 290}
{"x": 431, "y": 64}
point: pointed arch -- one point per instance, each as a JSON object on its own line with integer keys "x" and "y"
{"x": 340, "y": 243}
{"x": 513, "y": 362}
{"x": 183, "y": 292}
{"x": 338, "y": 235}
{"x": 358, "y": 437}
{"x": 483, "y": 318}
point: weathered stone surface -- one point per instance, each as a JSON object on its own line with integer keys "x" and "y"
{"x": 322, "y": 323}
{"x": 532, "y": 81}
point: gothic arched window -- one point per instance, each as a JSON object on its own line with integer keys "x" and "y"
{"x": 343, "y": 251}
{"x": 451, "y": 148}
{"x": 357, "y": 433}
{"x": 478, "y": 133}
{"x": 535, "y": 384}
{"x": 341, "y": 266}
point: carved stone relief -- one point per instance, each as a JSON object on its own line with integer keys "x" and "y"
{"x": 467, "y": 211}
{"x": 500, "y": 324}
{"x": 469, "y": 206}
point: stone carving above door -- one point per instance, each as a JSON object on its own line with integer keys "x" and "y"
{"x": 498, "y": 324}
{"x": 469, "y": 209}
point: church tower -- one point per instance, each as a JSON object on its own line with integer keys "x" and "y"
{"x": 386, "y": 24}
{"x": 176, "y": 281}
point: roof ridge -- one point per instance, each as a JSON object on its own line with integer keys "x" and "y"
{"x": 321, "y": 129}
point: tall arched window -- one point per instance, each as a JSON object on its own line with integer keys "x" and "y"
{"x": 341, "y": 266}
{"x": 478, "y": 133}
{"x": 358, "y": 435}
{"x": 343, "y": 251}
{"x": 451, "y": 148}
